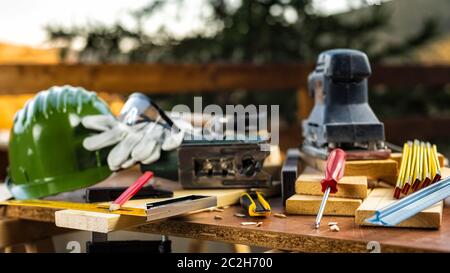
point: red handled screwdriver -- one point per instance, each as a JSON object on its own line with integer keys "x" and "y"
{"x": 333, "y": 173}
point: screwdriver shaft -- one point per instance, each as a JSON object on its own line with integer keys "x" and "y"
{"x": 322, "y": 207}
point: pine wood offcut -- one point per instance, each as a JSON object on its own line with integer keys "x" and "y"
{"x": 379, "y": 169}
{"x": 351, "y": 191}
{"x": 349, "y": 186}
{"x": 380, "y": 198}
{"x": 309, "y": 205}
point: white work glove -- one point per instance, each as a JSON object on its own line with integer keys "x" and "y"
{"x": 141, "y": 142}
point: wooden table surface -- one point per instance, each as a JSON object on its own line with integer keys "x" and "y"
{"x": 295, "y": 233}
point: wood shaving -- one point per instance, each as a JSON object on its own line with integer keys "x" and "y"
{"x": 215, "y": 209}
{"x": 217, "y": 217}
{"x": 240, "y": 215}
{"x": 334, "y": 228}
{"x": 248, "y": 223}
{"x": 332, "y": 223}
{"x": 259, "y": 224}
{"x": 280, "y": 215}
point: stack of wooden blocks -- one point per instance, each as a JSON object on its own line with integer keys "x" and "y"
{"x": 367, "y": 186}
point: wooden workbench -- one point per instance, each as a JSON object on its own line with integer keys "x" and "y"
{"x": 294, "y": 233}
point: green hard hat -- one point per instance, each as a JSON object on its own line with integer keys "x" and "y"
{"x": 46, "y": 155}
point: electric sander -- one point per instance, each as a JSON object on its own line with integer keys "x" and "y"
{"x": 342, "y": 117}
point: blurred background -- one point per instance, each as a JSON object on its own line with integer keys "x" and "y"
{"x": 407, "y": 42}
{"x": 398, "y": 32}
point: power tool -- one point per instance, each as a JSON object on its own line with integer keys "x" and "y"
{"x": 223, "y": 164}
{"x": 342, "y": 117}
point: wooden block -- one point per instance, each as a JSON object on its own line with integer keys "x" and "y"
{"x": 376, "y": 169}
{"x": 349, "y": 186}
{"x": 384, "y": 169}
{"x": 380, "y": 198}
{"x": 389, "y": 180}
{"x": 95, "y": 221}
{"x": 272, "y": 164}
{"x": 309, "y": 205}
{"x": 445, "y": 172}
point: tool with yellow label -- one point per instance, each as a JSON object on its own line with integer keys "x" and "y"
{"x": 419, "y": 167}
{"x": 255, "y": 204}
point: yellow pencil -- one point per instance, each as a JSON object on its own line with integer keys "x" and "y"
{"x": 437, "y": 175}
{"x": 426, "y": 180}
{"x": 401, "y": 175}
{"x": 418, "y": 168}
{"x": 409, "y": 166}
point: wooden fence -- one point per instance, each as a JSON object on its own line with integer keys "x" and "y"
{"x": 179, "y": 78}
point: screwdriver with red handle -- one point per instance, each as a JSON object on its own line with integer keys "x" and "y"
{"x": 333, "y": 173}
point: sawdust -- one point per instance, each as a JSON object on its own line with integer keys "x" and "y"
{"x": 334, "y": 228}
{"x": 240, "y": 215}
{"x": 280, "y": 215}
{"x": 249, "y": 223}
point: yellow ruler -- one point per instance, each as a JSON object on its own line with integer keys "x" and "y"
{"x": 59, "y": 205}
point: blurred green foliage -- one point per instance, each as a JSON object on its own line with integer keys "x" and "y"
{"x": 418, "y": 101}
{"x": 255, "y": 32}
{"x": 250, "y": 31}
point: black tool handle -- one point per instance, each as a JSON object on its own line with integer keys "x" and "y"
{"x": 289, "y": 174}
{"x": 109, "y": 194}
